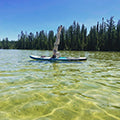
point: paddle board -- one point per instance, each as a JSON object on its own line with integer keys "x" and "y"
{"x": 44, "y": 58}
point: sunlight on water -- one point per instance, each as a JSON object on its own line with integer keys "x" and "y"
{"x": 35, "y": 90}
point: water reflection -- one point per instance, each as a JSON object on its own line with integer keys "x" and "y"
{"x": 37, "y": 90}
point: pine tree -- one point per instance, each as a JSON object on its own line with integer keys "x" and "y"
{"x": 51, "y": 40}
{"x": 62, "y": 40}
{"x": 110, "y": 33}
{"x": 78, "y": 46}
{"x": 117, "y": 45}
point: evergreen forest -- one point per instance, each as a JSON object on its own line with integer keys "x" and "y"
{"x": 104, "y": 36}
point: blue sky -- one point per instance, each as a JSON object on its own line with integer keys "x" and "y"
{"x": 37, "y": 15}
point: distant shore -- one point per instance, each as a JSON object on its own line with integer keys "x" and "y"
{"x": 104, "y": 36}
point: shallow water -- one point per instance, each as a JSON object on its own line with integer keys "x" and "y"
{"x": 35, "y": 90}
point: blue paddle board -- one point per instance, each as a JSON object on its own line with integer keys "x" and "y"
{"x": 44, "y": 58}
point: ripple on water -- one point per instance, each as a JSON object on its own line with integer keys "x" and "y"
{"x": 32, "y": 90}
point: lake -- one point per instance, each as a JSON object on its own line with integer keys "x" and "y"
{"x": 37, "y": 90}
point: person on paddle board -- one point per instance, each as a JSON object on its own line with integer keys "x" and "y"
{"x": 57, "y": 42}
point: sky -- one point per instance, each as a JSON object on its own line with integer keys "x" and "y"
{"x": 36, "y": 15}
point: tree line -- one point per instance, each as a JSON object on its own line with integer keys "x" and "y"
{"x": 104, "y": 36}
